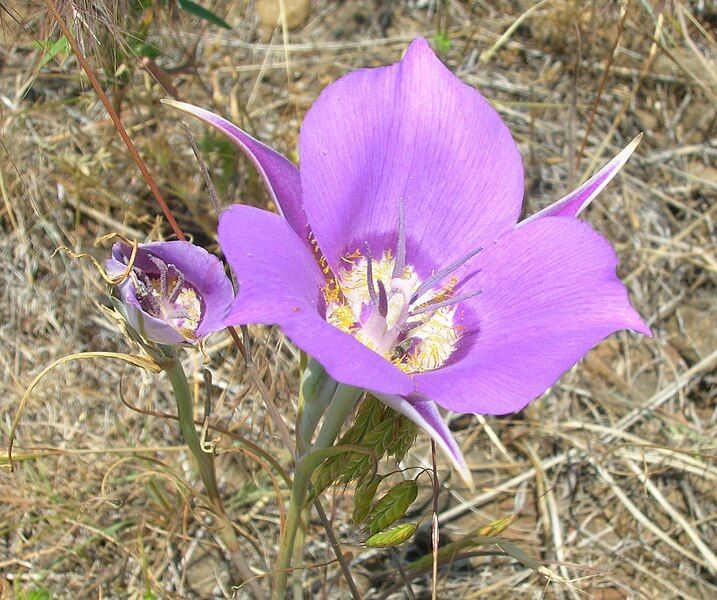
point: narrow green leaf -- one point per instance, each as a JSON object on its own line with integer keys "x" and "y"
{"x": 59, "y": 46}
{"x": 392, "y": 537}
{"x": 392, "y": 506}
{"x": 519, "y": 554}
{"x": 203, "y": 13}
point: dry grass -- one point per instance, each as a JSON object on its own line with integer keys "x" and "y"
{"x": 612, "y": 472}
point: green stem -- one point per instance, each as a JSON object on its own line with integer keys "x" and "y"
{"x": 185, "y": 411}
{"x": 299, "y": 489}
{"x": 298, "y": 552}
{"x": 316, "y": 392}
{"x": 205, "y": 465}
{"x": 341, "y": 404}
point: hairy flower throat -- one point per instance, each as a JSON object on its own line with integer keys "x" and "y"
{"x": 167, "y": 296}
{"x": 385, "y": 305}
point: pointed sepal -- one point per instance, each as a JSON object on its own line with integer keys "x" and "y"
{"x": 579, "y": 199}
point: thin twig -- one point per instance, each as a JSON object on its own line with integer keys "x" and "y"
{"x": 435, "y": 532}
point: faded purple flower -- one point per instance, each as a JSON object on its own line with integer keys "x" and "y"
{"x": 399, "y": 263}
{"x": 175, "y": 293}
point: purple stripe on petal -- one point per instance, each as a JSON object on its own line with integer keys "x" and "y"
{"x": 550, "y": 293}
{"x": 411, "y": 137}
{"x": 578, "y": 200}
{"x": 424, "y": 413}
{"x": 280, "y": 175}
{"x": 280, "y": 283}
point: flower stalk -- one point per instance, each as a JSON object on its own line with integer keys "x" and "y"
{"x": 205, "y": 465}
{"x": 185, "y": 412}
{"x": 342, "y": 401}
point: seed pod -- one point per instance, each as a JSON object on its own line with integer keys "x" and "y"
{"x": 392, "y": 537}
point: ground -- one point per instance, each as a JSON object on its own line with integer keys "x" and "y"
{"x": 611, "y": 474}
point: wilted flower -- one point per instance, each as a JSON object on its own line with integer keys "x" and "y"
{"x": 175, "y": 292}
{"x": 399, "y": 263}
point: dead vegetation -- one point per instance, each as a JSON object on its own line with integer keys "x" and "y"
{"x": 612, "y": 473}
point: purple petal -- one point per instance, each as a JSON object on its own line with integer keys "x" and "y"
{"x": 424, "y": 413}
{"x": 202, "y": 270}
{"x": 280, "y": 283}
{"x": 280, "y": 175}
{"x": 578, "y": 200}
{"x": 550, "y": 293}
{"x": 411, "y": 131}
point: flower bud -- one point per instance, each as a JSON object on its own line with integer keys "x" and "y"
{"x": 174, "y": 292}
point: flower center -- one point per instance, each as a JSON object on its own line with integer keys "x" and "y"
{"x": 384, "y": 304}
{"x": 391, "y": 314}
{"x": 167, "y": 296}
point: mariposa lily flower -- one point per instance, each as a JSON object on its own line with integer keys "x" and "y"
{"x": 174, "y": 292}
{"x": 399, "y": 263}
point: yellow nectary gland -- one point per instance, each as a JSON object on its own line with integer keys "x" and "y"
{"x": 415, "y": 343}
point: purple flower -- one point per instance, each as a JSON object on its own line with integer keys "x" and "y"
{"x": 175, "y": 293}
{"x": 399, "y": 263}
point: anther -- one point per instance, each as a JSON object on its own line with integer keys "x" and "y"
{"x": 369, "y": 274}
{"x": 439, "y": 275}
{"x": 382, "y": 300}
{"x": 449, "y": 302}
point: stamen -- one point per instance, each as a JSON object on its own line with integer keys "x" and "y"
{"x": 382, "y": 300}
{"x": 163, "y": 271}
{"x": 438, "y": 275}
{"x": 145, "y": 295}
{"x": 181, "y": 280}
{"x": 400, "y": 263}
{"x": 143, "y": 278}
{"x": 444, "y": 303}
{"x": 369, "y": 274}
